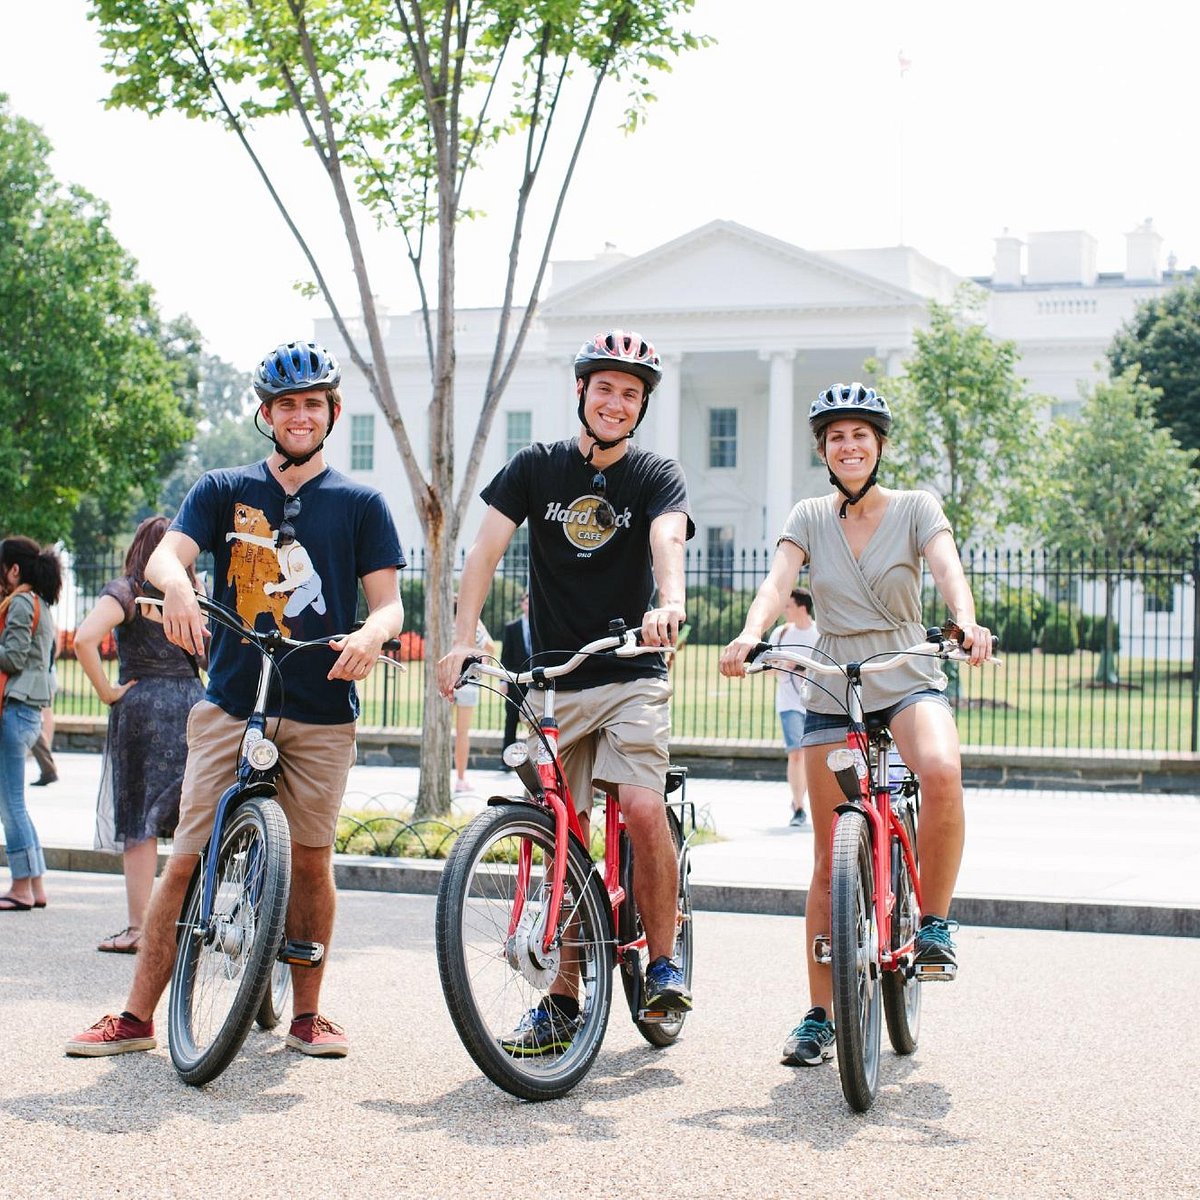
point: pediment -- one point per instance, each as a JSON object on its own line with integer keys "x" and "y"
{"x": 727, "y": 267}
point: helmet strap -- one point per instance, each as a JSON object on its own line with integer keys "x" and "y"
{"x": 598, "y": 442}
{"x": 852, "y": 497}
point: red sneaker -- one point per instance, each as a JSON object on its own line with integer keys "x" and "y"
{"x": 112, "y": 1035}
{"x": 319, "y": 1036}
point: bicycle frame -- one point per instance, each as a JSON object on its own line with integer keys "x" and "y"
{"x": 548, "y": 786}
{"x": 874, "y": 800}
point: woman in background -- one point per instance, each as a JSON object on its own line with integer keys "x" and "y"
{"x": 146, "y": 748}
{"x": 30, "y": 582}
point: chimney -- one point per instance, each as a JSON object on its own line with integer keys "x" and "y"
{"x": 1006, "y": 271}
{"x": 1142, "y": 247}
{"x": 1064, "y": 256}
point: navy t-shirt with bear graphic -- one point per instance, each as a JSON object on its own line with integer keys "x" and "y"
{"x": 306, "y": 588}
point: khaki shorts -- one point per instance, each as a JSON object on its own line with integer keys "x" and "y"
{"x": 316, "y": 761}
{"x": 612, "y": 734}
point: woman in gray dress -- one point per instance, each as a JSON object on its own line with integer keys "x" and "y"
{"x": 863, "y": 546}
{"x": 146, "y": 747}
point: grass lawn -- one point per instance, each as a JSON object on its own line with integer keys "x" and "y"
{"x": 1031, "y": 700}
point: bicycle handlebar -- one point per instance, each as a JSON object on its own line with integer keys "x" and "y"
{"x": 936, "y": 645}
{"x": 624, "y": 645}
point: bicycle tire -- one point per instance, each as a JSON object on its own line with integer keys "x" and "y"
{"x": 902, "y": 990}
{"x": 219, "y": 979}
{"x": 491, "y": 979}
{"x": 271, "y": 1010}
{"x": 657, "y": 1033}
{"x": 854, "y": 940}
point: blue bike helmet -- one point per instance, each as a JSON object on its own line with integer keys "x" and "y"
{"x": 844, "y": 401}
{"x": 296, "y": 367}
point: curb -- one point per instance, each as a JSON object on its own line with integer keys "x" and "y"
{"x": 418, "y": 877}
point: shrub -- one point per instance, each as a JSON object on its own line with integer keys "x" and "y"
{"x": 1059, "y": 636}
{"x": 1016, "y": 634}
{"x": 1092, "y": 631}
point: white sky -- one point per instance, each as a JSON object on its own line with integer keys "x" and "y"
{"x": 1026, "y": 115}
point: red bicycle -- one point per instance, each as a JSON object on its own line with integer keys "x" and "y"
{"x": 522, "y": 904}
{"x": 875, "y": 887}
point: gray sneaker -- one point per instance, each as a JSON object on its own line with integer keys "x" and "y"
{"x": 542, "y": 1030}
{"x": 811, "y": 1043}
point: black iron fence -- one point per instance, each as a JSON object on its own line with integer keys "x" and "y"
{"x": 1099, "y": 652}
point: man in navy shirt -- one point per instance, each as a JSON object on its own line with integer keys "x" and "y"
{"x": 607, "y": 526}
{"x": 291, "y": 538}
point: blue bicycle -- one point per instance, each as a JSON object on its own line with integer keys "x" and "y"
{"x": 233, "y": 958}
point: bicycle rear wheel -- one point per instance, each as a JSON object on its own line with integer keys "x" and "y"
{"x": 854, "y": 945}
{"x": 271, "y": 1010}
{"x": 633, "y": 970}
{"x": 493, "y": 967}
{"x": 223, "y": 970}
{"x": 902, "y": 990}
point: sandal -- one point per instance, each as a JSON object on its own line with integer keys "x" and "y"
{"x": 124, "y": 941}
{"x": 12, "y": 904}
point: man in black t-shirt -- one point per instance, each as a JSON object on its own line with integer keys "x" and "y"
{"x": 607, "y": 526}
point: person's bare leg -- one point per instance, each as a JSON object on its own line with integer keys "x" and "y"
{"x": 310, "y": 917}
{"x": 156, "y": 951}
{"x": 797, "y": 779}
{"x": 655, "y": 870}
{"x": 141, "y": 865}
{"x": 462, "y": 740}
{"x": 928, "y": 741}
{"x": 824, "y": 796}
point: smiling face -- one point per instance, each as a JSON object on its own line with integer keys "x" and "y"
{"x": 613, "y": 402}
{"x": 300, "y": 420}
{"x": 850, "y": 449}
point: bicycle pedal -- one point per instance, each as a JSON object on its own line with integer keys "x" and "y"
{"x": 935, "y": 972}
{"x": 657, "y": 1016}
{"x": 302, "y": 954}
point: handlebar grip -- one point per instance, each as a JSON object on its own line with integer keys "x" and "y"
{"x": 760, "y": 648}
{"x": 468, "y": 663}
{"x": 149, "y": 590}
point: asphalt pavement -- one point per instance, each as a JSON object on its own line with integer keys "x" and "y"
{"x": 1057, "y": 1066}
{"x": 1118, "y": 862}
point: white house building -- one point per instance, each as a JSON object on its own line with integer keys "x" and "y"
{"x": 750, "y": 328}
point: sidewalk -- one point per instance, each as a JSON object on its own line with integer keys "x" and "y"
{"x": 1104, "y": 862}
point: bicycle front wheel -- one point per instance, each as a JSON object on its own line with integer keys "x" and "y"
{"x": 902, "y": 990}
{"x": 223, "y": 968}
{"x": 633, "y": 970}
{"x": 491, "y": 912}
{"x": 854, "y": 944}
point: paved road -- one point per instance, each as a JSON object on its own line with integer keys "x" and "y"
{"x": 1060, "y": 1065}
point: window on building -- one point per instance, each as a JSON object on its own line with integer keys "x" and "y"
{"x": 722, "y": 437}
{"x": 518, "y": 432}
{"x": 720, "y": 555}
{"x": 516, "y": 557}
{"x": 362, "y": 441}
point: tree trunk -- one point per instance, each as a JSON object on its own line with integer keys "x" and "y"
{"x": 1106, "y": 667}
{"x": 433, "y": 793}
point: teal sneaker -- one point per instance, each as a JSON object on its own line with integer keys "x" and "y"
{"x": 811, "y": 1043}
{"x": 934, "y": 958}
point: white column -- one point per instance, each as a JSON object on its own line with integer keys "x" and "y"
{"x": 663, "y": 416}
{"x": 781, "y": 406}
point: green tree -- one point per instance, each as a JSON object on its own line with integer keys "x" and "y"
{"x": 400, "y": 101}
{"x": 1162, "y": 340}
{"x": 964, "y": 426}
{"x": 225, "y": 433}
{"x": 88, "y": 400}
{"x": 1118, "y": 485}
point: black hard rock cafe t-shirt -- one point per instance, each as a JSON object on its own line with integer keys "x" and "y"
{"x": 582, "y": 576}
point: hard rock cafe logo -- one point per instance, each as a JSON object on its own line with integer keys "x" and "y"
{"x": 579, "y": 524}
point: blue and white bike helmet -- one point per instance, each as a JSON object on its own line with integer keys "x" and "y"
{"x": 296, "y": 367}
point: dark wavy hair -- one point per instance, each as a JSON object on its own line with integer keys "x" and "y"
{"x": 38, "y": 566}
{"x": 145, "y": 541}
